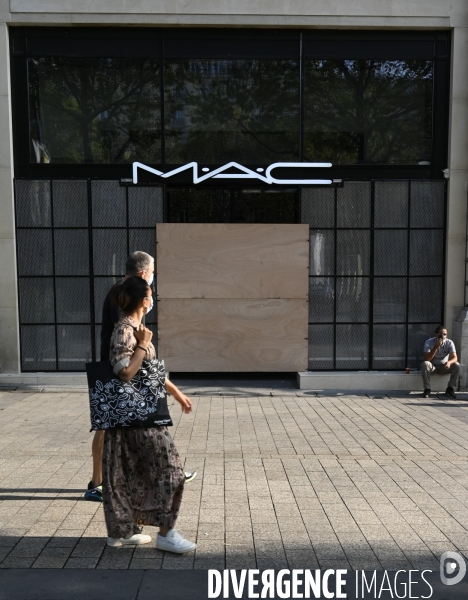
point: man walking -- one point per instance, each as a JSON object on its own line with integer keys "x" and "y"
{"x": 440, "y": 356}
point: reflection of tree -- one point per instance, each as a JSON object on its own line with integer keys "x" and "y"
{"x": 246, "y": 110}
{"x": 95, "y": 110}
{"x": 367, "y": 111}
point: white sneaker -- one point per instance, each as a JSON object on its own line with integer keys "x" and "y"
{"x": 174, "y": 542}
{"x": 136, "y": 540}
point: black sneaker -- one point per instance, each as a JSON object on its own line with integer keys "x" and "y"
{"x": 94, "y": 492}
{"x": 450, "y": 393}
{"x": 426, "y": 394}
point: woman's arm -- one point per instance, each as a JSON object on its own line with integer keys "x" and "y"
{"x": 129, "y": 356}
{"x": 129, "y": 372}
{"x": 181, "y": 398}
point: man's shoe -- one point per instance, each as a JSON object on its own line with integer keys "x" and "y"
{"x": 174, "y": 542}
{"x": 94, "y": 492}
{"x": 190, "y": 476}
{"x": 426, "y": 394}
{"x": 136, "y": 540}
{"x": 450, "y": 393}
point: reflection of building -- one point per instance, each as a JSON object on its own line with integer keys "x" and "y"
{"x": 387, "y": 254}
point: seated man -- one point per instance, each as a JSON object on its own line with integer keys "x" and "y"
{"x": 440, "y": 357}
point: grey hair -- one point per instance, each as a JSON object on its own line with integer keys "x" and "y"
{"x": 138, "y": 261}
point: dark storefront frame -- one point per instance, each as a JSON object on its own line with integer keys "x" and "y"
{"x": 216, "y": 44}
{"x": 229, "y": 44}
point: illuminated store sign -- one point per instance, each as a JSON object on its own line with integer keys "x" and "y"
{"x": 265, "y": 175}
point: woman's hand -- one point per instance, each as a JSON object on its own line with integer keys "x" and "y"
{"x": 185, "y": 403}
{"x": 181, "y": 398}
{"x": 143, "y": 335}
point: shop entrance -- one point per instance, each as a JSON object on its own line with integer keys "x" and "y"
{"x": 232, "y": 281}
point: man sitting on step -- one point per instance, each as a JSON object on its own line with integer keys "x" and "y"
{"x": 440, "y": 356}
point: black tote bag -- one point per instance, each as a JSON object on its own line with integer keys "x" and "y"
{"x": 142, "y": 402}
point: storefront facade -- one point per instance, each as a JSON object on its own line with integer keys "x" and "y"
{"x": 376, "y": 100}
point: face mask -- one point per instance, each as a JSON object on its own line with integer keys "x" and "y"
{"x": 150, "y": 281}
{"x": 148, "y": 308}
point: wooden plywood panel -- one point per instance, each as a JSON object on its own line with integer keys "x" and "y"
{"x": 233, "y": 335}
{"x": 231, "y": 260}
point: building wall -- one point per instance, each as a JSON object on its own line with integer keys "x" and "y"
{"x": 345, "y": 14}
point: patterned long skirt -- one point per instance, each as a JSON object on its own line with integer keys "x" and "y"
{"x": 142, "y": 480}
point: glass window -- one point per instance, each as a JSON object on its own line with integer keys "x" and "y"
{"x": 216, "y": 205}
{"x": 223, "y": 110}
{"x": 368, "y": 111}
{"x": 94, "y": 110}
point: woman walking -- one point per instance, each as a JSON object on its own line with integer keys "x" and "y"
{"x": 143, "y": 479}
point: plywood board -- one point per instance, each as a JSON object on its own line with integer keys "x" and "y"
{"x": 233, "y": 335}
{"x": 232, "y": 260}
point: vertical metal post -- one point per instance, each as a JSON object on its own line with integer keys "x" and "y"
{"x": 371, "y": 280}
{"x": 91, "y": 269}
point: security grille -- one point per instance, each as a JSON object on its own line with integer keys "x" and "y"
{"x": 376, "y": 268}
{"x": 73, "y": 238}
{"x": 376, "y": 272}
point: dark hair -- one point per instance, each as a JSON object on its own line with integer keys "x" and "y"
{"x": 439, "y": 327}
{"x": 137, "y": 262}
{"x": 131, "y": 292}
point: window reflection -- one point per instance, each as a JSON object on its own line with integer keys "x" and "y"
{"x": 222, "y": 110}
{"x": 368, "y": 111}
{"x": 94, "y": 110}
{"x": 198, "y": 205}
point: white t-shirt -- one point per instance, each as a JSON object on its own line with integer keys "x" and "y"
{"x": 441, "y": 356}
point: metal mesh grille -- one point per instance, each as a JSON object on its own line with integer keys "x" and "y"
{"x": 320, "y": 347}
{"x": 145, "y": 206}
{"x": 427, "y": 203}
{"x": 321, "y": 299}
{"x": 352, "y": 299}
{"x": 109, "y": 202}
{"x": 354, "y": 204}
{"x": 389, "y": 347}
{"x": 391, "y": 204}
{"x": 97, "y": 340}
{"x": 390, "y": 252}
{"x": 74, "y": 347}
{"x": 33, "y": 206}
{"x": 390, "y": 300}
{"x": 353, "y": 252}
{"x": 322, "y": 252}
{"x": 72, "y": 296}
{"x": 417, "y": 335}
{"x": 101, "y": 286}
{"x": 425, "y": 299}
{"x": 70, "y": 203}
{"x": 71, "y": 247}
{"x": 426, "y": 252}
{"x": 57, "y": 283}
{"x": 109, "y": 251}
{"x": 34, "y": 252}
{"x": 38, "y": 347}
{"x": 352, "y": 346}
{"x": 142, "y": 239}
{"x": 343, "y": 278}
{"x": 36, "y": 300}
{"x": 318, "y": 207}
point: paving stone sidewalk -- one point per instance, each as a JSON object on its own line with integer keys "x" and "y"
{"x": 286, "y": 479}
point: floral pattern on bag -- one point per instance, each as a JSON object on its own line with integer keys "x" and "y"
{"x": 117, "y": 404}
